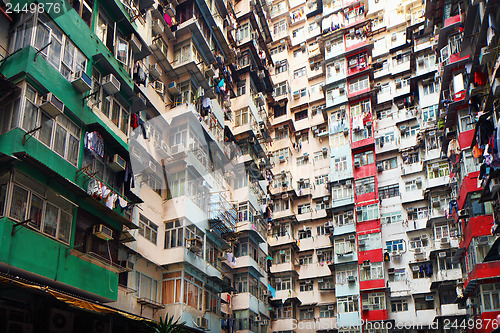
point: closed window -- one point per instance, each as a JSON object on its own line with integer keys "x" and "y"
{"x": 148, "y": 229}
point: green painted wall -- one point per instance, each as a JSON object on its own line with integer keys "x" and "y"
{"x": 41, "y": 255}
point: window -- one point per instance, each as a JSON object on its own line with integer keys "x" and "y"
{"x": 302, "y": 209}
{"x": 343, "y": 218}
{"x": 58, "y": 49}
{"x": 342, "y": 273}
{"x": 399, "y": 305}
{"x": 344, "y": 246}
{"x": 444, "y": 231}
{"x": 326, "y": 284}
{"x": 401, "y": 59}
{"x": 278, "y": 28}
{"x": 241, "y": 88}
{"x": 385, "y": 138}
{"x": 391, "y": 163}
{"x": 389, "y": 218}
{"x": 299, "y": 72}
{"x": 281, "y": 133}
{"x": 148, "y": 229}
{"x": 340, "y": 164}
{"x": 171, "y": 291}
{"x": 364, "y": 158}
{"x": 306, "y": 285}
{"x": 280, "y": 48}
{"x": 321, "y": 205}
{"x": 327, "y": 311}
{"x": 395, "y": 245}
{"x": 490, "y": 295}
{"x": 397, "y": 275}
{"x": 339, "y": 140}
{"x": 418, "y": 242}
{"x": 411, "y": 157}
{"x": 359, "y": 84}
{"x": 342, "y": 190}
{"x": 375, "y": 301}
{"x": 301, "y": 93}
{"x": 174, "y": 234}
{"x": 193, "y": 292}
{"x": 437, "y": 170}
{"x": 424, "y": 302}
{"x": 297, "y": 53}
{"x": 477, "y": 208}
{"x": 284, "y": 312}
{"x": 411, "y": 131}
{"x": 282, "y": 66}
{"x": 307, "y": 313}
{"x": 319, "y": 156}
{"x": 49, "y": 212}
{"x": 282, "y": 256}
{"x": 241, "y": 117}
{"x": 146, "y": 287}
{"x": 318, "y": 180}
{"x": 59, "y": 134}
{"x": 306, "y": 259}
{"x": 243, "y": 32}
{"x": 430, "y": 113}
{"x": 444, "y": 261}
{"x": 301, "y": 115}
{"x": 347, "y": 304}
{"x": 417, "y": 213}
{"x": 281, "y": 89}
{"x": 367, "y": 213}
{"x": 389, "y": 191}
{"x": 373, "y": 271}
{"x": 402, "y": 83}
{"x": 430, "y": 88}
{"x": 246, "y": 283}
{"x": 297, "y": 33}
{"x": 283, "y": 283}
{"x": 426, "y": 61}
{"x": 365, "y": 185}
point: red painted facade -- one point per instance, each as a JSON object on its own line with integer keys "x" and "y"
{"x": 372, "y": 285}
{"x": 376, "y": 255}
{"x": 374, "y": 315}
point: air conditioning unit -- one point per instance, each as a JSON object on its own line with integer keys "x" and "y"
{"x": 357, "y": 164}
{"x": 350, "y": 213}
{"x": 284, "y": 196}
{"x": 337, "y": 66}
{"x": 202, "y": 323}
{"x": 18, "y": 327}
{"x": 52, "y": 105}
{"x": 135, "y": 43}
{"x": 296, "y": 95}
{"x": 394, "y": 38}
{"x": 429, "y": 297}
{"x": 324, "y": 150}
{"x": 178, "y": 148}
{"x": 352, "y": 238}
{"x": 163, "y": 149}
{"x": 366, "y": 307}
{"x": 277, "y": 280}
{"x": 150, "y": 167}
{"x": 159, "y": 87}
{"x": 319, "y": 253}
{"x": 361, "y": 243}
{"x": 282, "y": 159}
{"x": 172, "y": 88}
{"x": 398, "y": 84}
{"x": 103, "y": 232}
{"x": 403, "y": 128}
{"x": 155, "y": 71}
{"x": 117, "y": 163}
{"x": 82, "y": 82}
{"x": 61, "y": 321}
{"x": 418, "y": 250}
{"x": 380, "y": 168}
{"x": 111, "y": 84}
{"x": 157, "y": 27}
{"x": 442, "y": 254}
{"x": 351, "y": 279}
{"x": 435, "y": 167}
{"x": 195, "y": 245}
{"x": 445, "y": 241}
{"x": 170, "y": 10}
{"x": 341, "y": 90}
{"x": 331, "y": 307}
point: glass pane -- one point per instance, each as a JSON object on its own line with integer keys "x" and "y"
{"x": 64, "y": 227}
{"x": 73, "y": 145}
{"x": 106, "y": 105}
{"x": 30, "y": 116}
{"x": 125, "y": 121}
{"x": 50, "y": 222}
{"x": 36, "y": 211}
{"x": 115, "y": 115}
{"x": 19, "y": 203}
{"x": 69, "y": 51}
{"x": 3, "y": 198}
{"x": 55, "y": 53}
{"x": 145, "y": 288}
{"x": 46, "y": 131}
{"x": 60, "y": 140}
{"x": 122, "y": 50}
{"x": 42, "y": 37}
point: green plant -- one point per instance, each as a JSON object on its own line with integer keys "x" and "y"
{"x": 167, "y": 326}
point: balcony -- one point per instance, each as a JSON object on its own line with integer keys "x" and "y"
{"x": 274, "y": 241}
{"x": 314, "y": 270}
{"x": 407, "y": 197}
{"x": 343, "y": 201}
{"x": 401, "y": 68}
{"x": 384, "y": 96}
{"x": 348, "y": 319}
{"x": 245, "y": 301}
{"x": 438, "y": 181}
{"x": 71, "y": 269}
{"x": 450, "y": 310}
{"x": 284, "y": 295}
{"x": 408, "y": 169}
{"x": 334, "y": 51}
{"x": 247, "y": 261}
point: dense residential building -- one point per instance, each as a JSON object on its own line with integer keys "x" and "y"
{"x": 249, "y": 166}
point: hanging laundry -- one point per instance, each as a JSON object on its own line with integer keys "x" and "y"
{"x": 94, "y": 142}
{"x": 453, "y": 147}
{"x": 134, "y": 121}
{"x": 479, "y": 78}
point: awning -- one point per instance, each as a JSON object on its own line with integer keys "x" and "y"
{"x": 269, "y": 257}
{"x": 71, "y": 300}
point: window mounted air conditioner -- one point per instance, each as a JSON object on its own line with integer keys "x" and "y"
{"x": 172, "y": 88}
{"x": 82, "y": 82}
{"x": 158, "y": 27}
{"x": 483, "y": 240}
{"x": 380, "y": 168}
{"x": 155, "y": 71}
{"x": 103, "y": 232}
{"x": 442, "y": 254}
{"x": 330, "y": 307}
{"x": 284, "y": 196}
{"x": 111, "y": 84}
{"x": 362, "y": 243}
{"x": 352, "y": 238}
{"x": 415, "y": 268}
{"x": 178, "y": 148}
{"x": 351, "y": 279}
{"x": 366, "y": 307}
{"x": 403, "y": 128}
{"x": 135, "y": 43}
{"x": 357, "y": 164}
{"x": 418, "y": 250}
{"x": 163, "y": 149}
{"x": 117, "y": 163}
{"x": 444, "y": 241}
{"x": 52, "y": 105}
{"x": 277, "y": 280}
{"x": 60, "y": 321}
{"x": 350, "y": 213}
{"x": 296, "y": 95}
